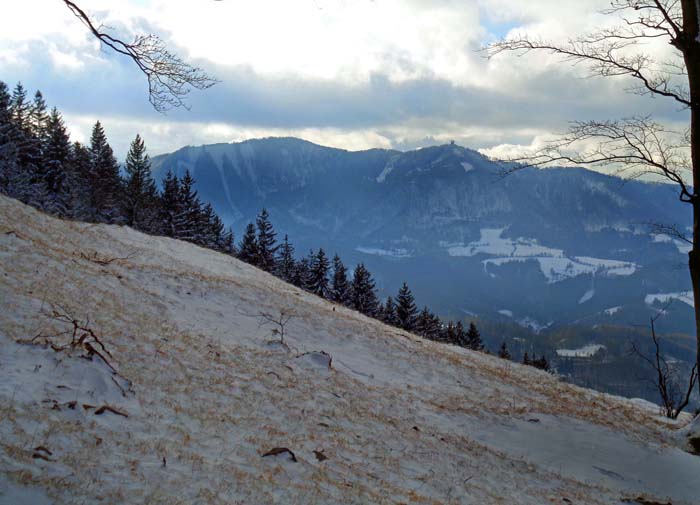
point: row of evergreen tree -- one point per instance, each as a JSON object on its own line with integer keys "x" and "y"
{"x": 40, "y": 166}
{"x": 330, "y": 279}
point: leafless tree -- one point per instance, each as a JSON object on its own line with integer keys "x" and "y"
{"x": 278, "y": 321}
{"x": 636, "y": 145}
{"x": 170, "y": 79}
{"x": 666, "y": 380}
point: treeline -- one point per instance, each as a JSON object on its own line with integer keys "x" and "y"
{"x": 40, "y": 166}
{"x": 331, "y": 279}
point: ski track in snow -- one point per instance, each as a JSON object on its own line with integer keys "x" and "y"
{"x": 400, "y": 419}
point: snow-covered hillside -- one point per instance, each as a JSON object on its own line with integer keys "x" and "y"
{"x": 199, "y": 392}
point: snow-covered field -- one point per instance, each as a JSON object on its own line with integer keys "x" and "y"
{"x": 553, "y": 263}
{"x": 199, "y": 393}
{"x": 586, "y": 351}
{"x": 664, "y": 298}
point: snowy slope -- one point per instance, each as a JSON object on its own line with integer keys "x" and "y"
{"x": 399, "y": 419}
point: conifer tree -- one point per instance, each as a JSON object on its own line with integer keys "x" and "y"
{"x": 428, "y": 325}
{"x": 248, "y": 248}
{"x": 79, "y": 183}
{"x": 406, "y": 309}
{"x": 56, "y": 165}
{"x": 473, "y": 338}
{"x": 302, "y": 273}
{"x": 364, "y": 297}
{"x": 503, "y": 352}
{"x": 340, "y": 287}
{"x": 286, "y": 265}
{"x": 266, "y": 247}
{"x": 212, "y": 229}
{"x": 449, "y": 335}
{"x": 170, "y": 204}
{"x": 188, "y": 219}
{"x": 28, "y": 185}
{"x": 106, "y": 183}
{"x": 388, "y": 312}
{"x": 526, "y": 359}
{"x": 318, "y": 275}
{"x": 39, "y": 119}
{"x": 461, "y": 335}
{"x": 9, "y": 169}
{"x": 141, "y": 196}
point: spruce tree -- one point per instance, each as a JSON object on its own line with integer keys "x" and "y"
{"x": 9, "y": 162}
{"x": 461, "y": 335}
{"x": 188, "y": 222}
{"x": 302, "y": 273}
{"x": 79, "y": 183}
{"x": 28, "y": 184}
{"x": 364, "y": 297}
{"x": 526, "y": 359}
{"x": 340, "y": 287}
{"x": 388, "y": 312}
{"x": 473, "y": 338}
{"x": 428, "y": 324}
{"x": 406, "y": 309}
{"x": 106, "y": 185}
{"x": 449, "y": 335}
{"x": 266, "y": 247}
{"x": 39, "y": 119}
{"x": 248, "y": 248}
{"x": 318, "y": 275}
{"x": 286, "y": 264}
{"x": 141, "y": 196}
{"x": 56, "y": 166}
{"x": 503, "y": 352}
{"x": 169, "y": 204}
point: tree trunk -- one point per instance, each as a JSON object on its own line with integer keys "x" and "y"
{"x": 691, "y": 52}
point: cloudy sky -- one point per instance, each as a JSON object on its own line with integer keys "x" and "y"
{"x": 347, "y": 73}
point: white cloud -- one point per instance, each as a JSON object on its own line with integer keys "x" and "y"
{"x": 354, "y": 74}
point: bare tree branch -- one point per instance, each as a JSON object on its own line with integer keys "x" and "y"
{"x": 170, "y": 79}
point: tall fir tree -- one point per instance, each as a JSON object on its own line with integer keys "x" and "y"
{"x": 503, "y": 352}
{"x": 266, "y": 242}
{"x": 428, "y": 324}
{"x": 188, "y": 218}
{"x": 473, "y": 338}
{"x": 140, "y": 193}
{"x": 9, "y": 162}
{"x": 39, "y": 119}
{"x": 106, "y": 184}
{"x": 56, "y": 166}
{"x": 388, "y": 312}
{"x": 318, "y": 275}
{"x": 169, "y": 204}
{"x": 286, "y": 264}
{"x": 302, "y": 273}
{"x": 28, "y": 183}
{"x": 340, "y": 287}
{"x": 406, "y": 308}
{"x": 79, "y": 183}
{"x": 248, "y": 248}
{"x": 364, "y": 297}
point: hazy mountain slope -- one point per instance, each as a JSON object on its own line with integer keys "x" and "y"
{"x": 550, "y": 247}
{"x": 400, "y": 419}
